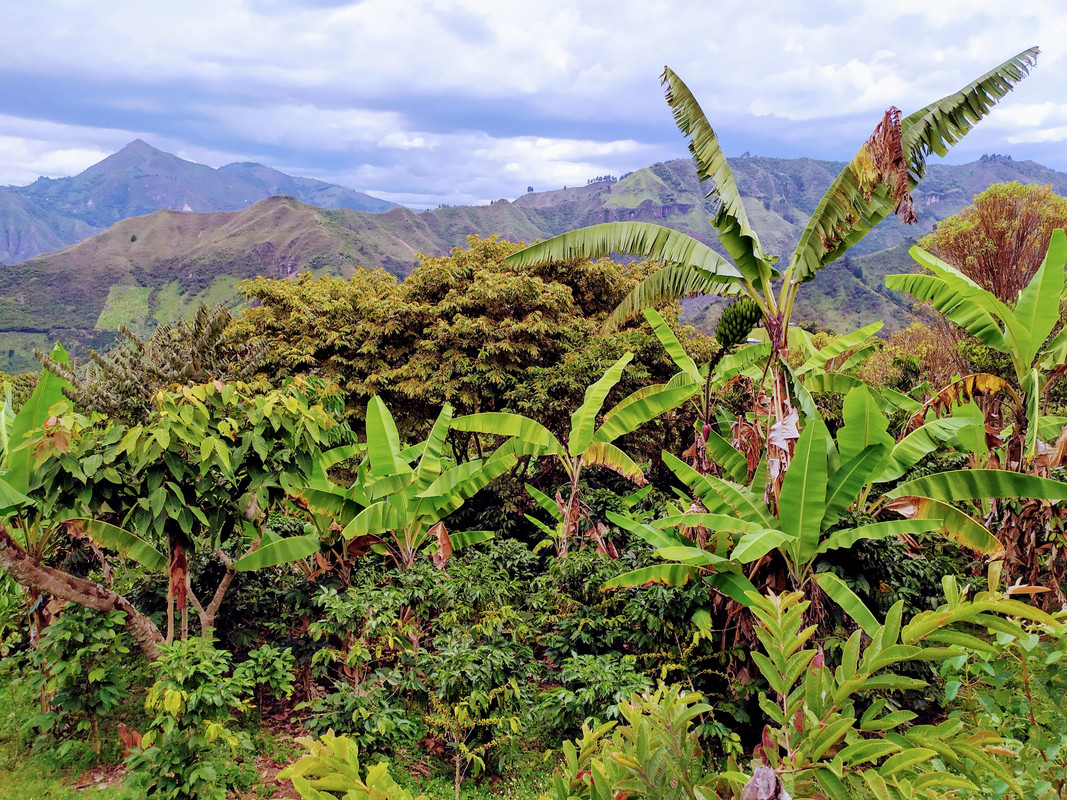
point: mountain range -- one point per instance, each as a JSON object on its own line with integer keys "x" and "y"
{"x": 210, "y": 228}
{"x": 50, "y": 214}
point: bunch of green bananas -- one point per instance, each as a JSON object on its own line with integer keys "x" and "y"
{"x": 737, "y": 321}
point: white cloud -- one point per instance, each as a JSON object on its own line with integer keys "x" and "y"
{"x": 306, "y": 82}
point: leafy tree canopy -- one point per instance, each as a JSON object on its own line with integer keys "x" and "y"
{"x": 1000, "y": 239}
{"x": 468, "y": 329}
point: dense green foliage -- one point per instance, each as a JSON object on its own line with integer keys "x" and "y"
{"x": 779, "y": 568}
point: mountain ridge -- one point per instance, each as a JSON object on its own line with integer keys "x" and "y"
{"x": 158, "y": 267}
{"x": 52, "y": 213}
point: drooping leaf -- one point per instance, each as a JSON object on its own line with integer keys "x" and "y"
{"x": 836, "y": 589}
{"x": 962, "y": 528}
{"x": 681, "y": 359}
{"x": 981, "y": 484}
{"x": 666, "y": 574}
{"x": 607, "y": 455}
{"x": 918, "y": 444}
{"x": 847, "y": 537}
{"x": 744, "y": 502}
{"x": 500, "y": 423}
{"x": 732, "y": 584}
{"x": 731, "y": 221}
{"x": 375, "y": 520}
{"x": 125, "y": 543}
{"x": 282, "y": 551}
{"x": 643, "y": 410}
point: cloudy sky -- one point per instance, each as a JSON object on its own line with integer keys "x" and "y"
{"x": 463, "y": 101}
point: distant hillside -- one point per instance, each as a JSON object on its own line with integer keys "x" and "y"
{"x": 158, "y": 267}
{"x": 53, "y": 213}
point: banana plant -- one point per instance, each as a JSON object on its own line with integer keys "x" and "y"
{"x": 399, "y": 506}
{"x": 1021, "y": 333}
{"x": 711, "y": 378}
{"x": 586, "y": 444}
{"x": 825, "y": 480}
{"x": 875, "y": 183}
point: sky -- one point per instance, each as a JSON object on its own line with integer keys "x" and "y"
{"x": 425, "y": 102}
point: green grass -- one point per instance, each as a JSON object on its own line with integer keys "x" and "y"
{"x": 125, "y": 305}
{"x": 166, "y": 302}
{"x": 35, "y": 773}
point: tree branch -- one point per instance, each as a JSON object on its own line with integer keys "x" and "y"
{"x": 29, "y": 572}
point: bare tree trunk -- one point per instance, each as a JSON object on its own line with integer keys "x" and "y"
{"x": 29, "y": 572}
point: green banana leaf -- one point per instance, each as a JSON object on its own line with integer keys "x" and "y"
{"x": 837, "y": 591}
{"x": 681, "y": 359}
{"x": 125, "y": 543}
{"x": 583, "y": 420}
{"x": 501, "y": 423}
{"x": 980, "y": 484}
{"x": 283, "y": 551}
{"x": 802, "y": 503}
{"x": 383, "y": 441}
{"x": 731, "y": 221}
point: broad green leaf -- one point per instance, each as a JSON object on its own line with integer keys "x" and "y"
{"x": 467, "y": 538}
{"x": 607, "y": 455}
{"x": 670, "y": 343}
{"x": 375, "y": 520}
{"x": 845, "y": 484}
{"x": 733, "y": 585}
{"x": 336, "y": 455}
{"x": 655, "y": 537}
{"x": 731, "y": 222}
{"x": 125, "y": 543}
{"x": 918, "y": 444}
{"x": 1038, "y": 307}
{"x": 670, "y": 284}
{"x": 733, "y": 462}
{"x": 836, "y": 589}
{"x": 583, "y": 420}
{"x": 956, "y": 525}
{"x": 744, "y": 502}
{"x": 283, "y": 551}
{"x": 383, "y": 441}
{"x": 756, "y": 544}
{"x": 430, "y": 463}
{"x": 500, "y": 423}
{"x": 31, "y": 418}
{"x": 981, "y": 484}
{"x": 547, "y": 504}
{"x": 839, "y": 346}
{"x": 690, "y": 555}
{"x": 802, "y": 502}
{"x": 667, "y": 574}
{"x": 865, "y": 424}
{"x": 713, "y": 522}
{"x": 11, "y": 498}
{"x": 941, "y": 124}
{"x": 637, "y": 413}
{"x": 847, "y": 537}
{"x": 968, "y": 310}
